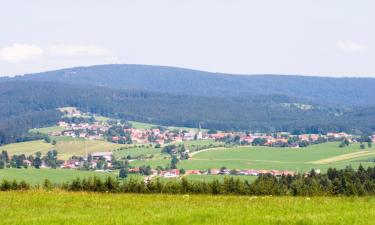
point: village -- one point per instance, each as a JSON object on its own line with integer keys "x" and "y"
{"x": 122, "y": 132}
{"x": 170, "y": 139}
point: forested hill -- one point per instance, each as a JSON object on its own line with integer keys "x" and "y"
{"x": 24, "y": 105}
{"x": 319, "y": 90}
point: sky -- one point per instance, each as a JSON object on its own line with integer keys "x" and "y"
{"x": 295, "y": 37}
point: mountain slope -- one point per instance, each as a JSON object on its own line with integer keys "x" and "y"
{"x": 319, "y": 90}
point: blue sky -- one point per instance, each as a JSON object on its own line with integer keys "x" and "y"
{"x": 305, "y": 37}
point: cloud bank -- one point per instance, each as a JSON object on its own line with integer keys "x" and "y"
{"x": 20, "y": 52}
{"x": 25, "y": 52}
{"x": 351, "y": 46}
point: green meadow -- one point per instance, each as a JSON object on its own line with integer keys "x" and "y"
{"x": 59, "y": 207}
{"x": 135, "y": 151}
{"x": 321, "y": 156}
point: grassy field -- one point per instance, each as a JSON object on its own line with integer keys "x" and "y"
{"x": 80, "y": 147}
{"x": 27, "y": 147}
{"x": 46, "y": 130}
{"x": 137, "y": 151}
{"x": 65, "y": 146}
{"x": 57, "y": 207}
{"x": 319, "y": 156}
{"x": 37, "y": 176}
{"x": 194, "y": 145}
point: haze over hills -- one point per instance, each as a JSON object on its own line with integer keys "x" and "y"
{"x": 320, "y": 90}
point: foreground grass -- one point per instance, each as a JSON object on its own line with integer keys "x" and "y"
{"x": 57, "y": 207}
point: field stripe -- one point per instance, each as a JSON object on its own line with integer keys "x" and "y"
{"x": 344, "y": 157}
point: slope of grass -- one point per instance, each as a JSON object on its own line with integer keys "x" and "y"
{"x": 46, "y": 130}
{"x": 27, "y": 148}
{"x": 81, "y": 147}
{"x": 137, "y": 151}
{"x": 301, "y": 159}
{"x": 142, "y": 126}
{"x": 66, "y": 147}
{"x": 249, "y": 157}
{"x": 57, "y": 207}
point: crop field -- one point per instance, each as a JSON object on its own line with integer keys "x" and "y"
{"x": 80, "y": 147}
{"x": 37, "y": 207}
{"x": 65, "y": 146}
{"x": 27, "y": 148}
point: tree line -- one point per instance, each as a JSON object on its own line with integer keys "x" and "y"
{"x": 343, "y": 182}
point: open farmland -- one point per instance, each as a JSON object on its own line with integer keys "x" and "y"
{"x": 46, "y": 130}
{"x": 94, "y": 208}
{"x": 319, "y": 156}
{"x": 136, "y": 151}
{"x": 65, "y": 146}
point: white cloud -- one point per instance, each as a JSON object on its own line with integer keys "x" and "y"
{"x": 350, "y": 46}
{"x": 19, "y": 52}
{"x": 77, "y": 50}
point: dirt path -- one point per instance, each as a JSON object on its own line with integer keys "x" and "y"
{"x": 344, "y": 157}
{"x": 205, "y": 150}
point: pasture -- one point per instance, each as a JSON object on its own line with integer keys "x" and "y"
{"x": 137, "y": 151}
{"x": 46, "y": 130}
{"x": 37, "y": 206}
{"x": 320, "y": 156}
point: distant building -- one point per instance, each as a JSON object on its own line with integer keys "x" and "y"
{"x": 106, "y": 155}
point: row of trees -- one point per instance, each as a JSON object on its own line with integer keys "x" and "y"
{"x": 335, "y": 182}
{"x": 36, "y": 161}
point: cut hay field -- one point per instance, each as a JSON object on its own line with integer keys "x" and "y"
{"x": 66, "y": 147}
{"x": 58, "y": 207}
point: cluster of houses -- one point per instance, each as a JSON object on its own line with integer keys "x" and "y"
{"x": 97, "y": 130}
{"x": 91, "y": 161}
{"x": 173, "y": 173}
{"x": 94, "y": 131}
{"x": 281, "y": 139}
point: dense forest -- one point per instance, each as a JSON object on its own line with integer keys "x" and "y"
{"x": 25, "y": 105}
{"x": 318, "y": 90}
